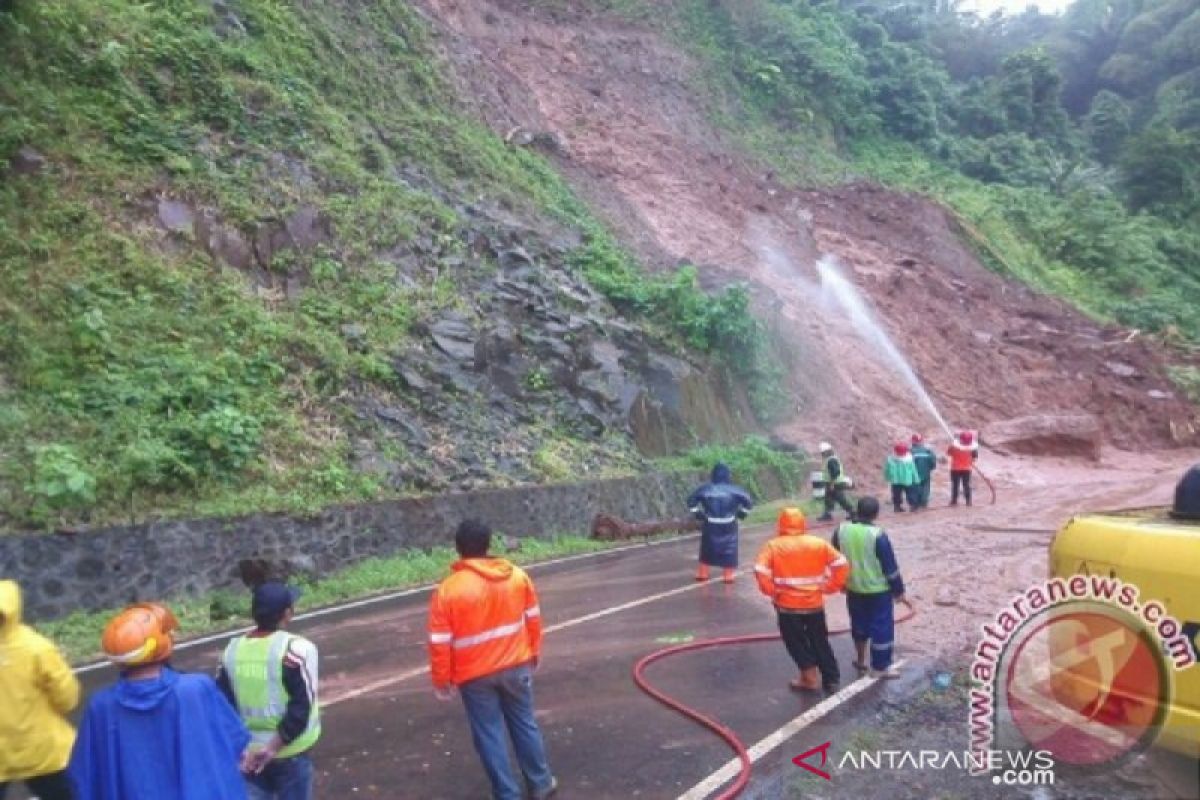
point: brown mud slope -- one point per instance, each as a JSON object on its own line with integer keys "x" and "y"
{"x": 634, "y": 136}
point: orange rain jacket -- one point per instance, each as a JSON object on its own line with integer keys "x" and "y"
{"x": 482, "y": 619}
{"x": 962, "y": 457}
{"x": 796, "y": 569}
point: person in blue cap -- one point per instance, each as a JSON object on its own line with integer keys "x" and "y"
{"x": 270, "y": 676}
{"x": 719, "y": 504}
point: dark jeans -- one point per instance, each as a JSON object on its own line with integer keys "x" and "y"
{"x": 923, "y": 491}
{"x": 283, "y": 779}
{"x": 960, "y": 478}
{"x": 500, "y": 702}
{"x": 55, "y": 786}
{"x": 837, "y": 495}
{"x": 899, "y": 493}
{"x": 807, "y": 641}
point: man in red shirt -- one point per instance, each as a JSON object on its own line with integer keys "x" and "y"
{"x": 485, "y": 637}
{"x": 963, "y": 452}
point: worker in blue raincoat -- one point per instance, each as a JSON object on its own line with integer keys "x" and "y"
{"x": 719, "y": 504}
{"x": 157, "y": 734}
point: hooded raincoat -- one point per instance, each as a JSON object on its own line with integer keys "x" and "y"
{"x": 797, "y": 569}
{"x": 720, "y": 504}
{"x": 900, "y": 470}
{"x": 173, "y": 737}
{"x": 482, "y": 619}
{"x": 37, "y": 689}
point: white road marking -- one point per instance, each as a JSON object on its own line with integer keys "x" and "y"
{"x": 391, "y": 680}
{"x": 383, "y": 598}
{"x": 773, "y": 740}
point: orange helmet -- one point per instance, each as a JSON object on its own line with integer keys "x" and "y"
{"x": 141, "y": 634}
{"x": 791, "y": 520}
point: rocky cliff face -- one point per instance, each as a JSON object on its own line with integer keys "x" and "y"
{"x": 530, "y": 350}
{"x": 525, "y": 373}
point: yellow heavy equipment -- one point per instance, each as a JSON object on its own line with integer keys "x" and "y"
{"x": 1158, "y": 551}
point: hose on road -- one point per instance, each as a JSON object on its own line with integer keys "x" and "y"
{"x": 714, "y": 725}
{"x": 988, "y": 481}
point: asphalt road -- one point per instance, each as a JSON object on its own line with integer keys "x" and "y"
{"x": 386, "y": 736}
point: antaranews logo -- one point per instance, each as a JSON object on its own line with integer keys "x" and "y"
{"x": 1077, "y": 667}
{"x": 1017, "y": 768}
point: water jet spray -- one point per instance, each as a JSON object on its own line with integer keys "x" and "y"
{"x": 837, "y": 288}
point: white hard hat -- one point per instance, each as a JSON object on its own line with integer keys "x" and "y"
{"x": 826, "y": 447}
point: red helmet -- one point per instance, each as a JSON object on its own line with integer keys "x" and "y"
{"x": 901, "y": 449}
{"x": 917, "y": 438}
{"x": 966, "y": 437}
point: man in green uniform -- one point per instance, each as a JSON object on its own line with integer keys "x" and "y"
{"x": 837, "y": 483}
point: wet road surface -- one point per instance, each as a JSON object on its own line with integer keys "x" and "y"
{"x": 605, "y": 738}
{"x": 387, "y": 737}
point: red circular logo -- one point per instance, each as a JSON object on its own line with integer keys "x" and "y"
{"x": 1087, "y": 683}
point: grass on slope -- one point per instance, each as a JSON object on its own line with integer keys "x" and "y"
{"x": 79, "y": 634}
{"x": 137, "y": 378}
{"x": 135, "y": 375}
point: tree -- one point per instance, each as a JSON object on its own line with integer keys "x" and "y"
{"x": 1108, "y": 125}
{"x": 1160, "y": 169}
{"x": 1028, "y": 91}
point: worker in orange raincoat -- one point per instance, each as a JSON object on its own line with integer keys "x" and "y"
{"x": 796, "y": 570}
{"x": 485, "y": 637}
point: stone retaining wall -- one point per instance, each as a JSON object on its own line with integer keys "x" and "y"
{"x": 112, "y": 566}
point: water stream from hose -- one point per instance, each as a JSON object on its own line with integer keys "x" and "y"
{"x": 836, "y": 288}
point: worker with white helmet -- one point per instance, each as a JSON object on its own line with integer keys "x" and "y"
{"x": 837, "y": 483}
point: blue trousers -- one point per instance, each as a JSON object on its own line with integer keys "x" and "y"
{"x": 871, "y": 619}
{"x": 283, "y": 779}
{"x": 500, "y": 702}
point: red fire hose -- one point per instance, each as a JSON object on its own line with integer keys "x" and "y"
{"x": 991, "y": 488}
{"x": 714, "y": 725}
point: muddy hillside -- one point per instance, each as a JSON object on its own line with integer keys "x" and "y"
{"x": 629, "y": 127}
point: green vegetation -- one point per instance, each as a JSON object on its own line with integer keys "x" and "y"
{"x": 721, "y": 325}
{"x": 1188, "y": 381}
{"x": 136, "y": 376}
{"x": 748, "y": 461}
{"x": 79, "y": 633}
{"x": 1070, "y": 147}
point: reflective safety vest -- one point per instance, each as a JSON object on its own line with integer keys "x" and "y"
{"x": 842, "y": 479}
{"x": 857, "y": 543}
{"x": 254, "y": 666}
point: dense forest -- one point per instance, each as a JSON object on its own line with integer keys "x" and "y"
{"x": 1069, "y": 144}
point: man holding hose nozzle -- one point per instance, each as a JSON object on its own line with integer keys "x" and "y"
{"x": 963, "y": 453}
{"x": 872, "y": 590}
